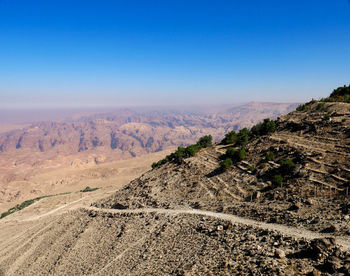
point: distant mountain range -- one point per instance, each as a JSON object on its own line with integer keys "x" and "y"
{"x": 129, "y": 133}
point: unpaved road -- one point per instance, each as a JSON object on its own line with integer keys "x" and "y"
{"x": 283, "y": 229}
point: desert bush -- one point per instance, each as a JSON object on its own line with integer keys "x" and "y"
{"x": 326, "y": 116}
{"x": 88, "y": 189}
{"x": 286, "y": 166}
{"x": 266, "y": 127}
{"x": 236, "y": 155}
{"x": 21, "y": 206}
{"x": 230, "y": 138}
{"x": 320, "y": 107}
{"x": 185, "y": 152}
{"x": 302, "y": 107}
{"x": 270, "y": 156}
{"x": 226, "y": 164}
{"x": 242, "y": 137}
{"x": 340, "y": 94}
{"x": 205, "y": 141}
{"x": 277, "y": 180}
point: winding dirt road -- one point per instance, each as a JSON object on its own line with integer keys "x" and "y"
{"x": 283, "y": 229}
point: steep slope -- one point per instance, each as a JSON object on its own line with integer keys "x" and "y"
{"x": 192, "y": 218}
{"x": 91, "y": 140}
{"x": 318, "y": 184}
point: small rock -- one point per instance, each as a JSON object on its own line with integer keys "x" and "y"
{"x": 331, "y": 229}
{"x": 296, "y": 206}
{"x": 279, "y": 253}
{"x": 251, "y": 237}
{"x": 347, "y": 217}
{"x": 309, "y": 201}
{"x": 257, "y": 195}
{"x": 315, "y": 272}
{"x": 220, "y": 227}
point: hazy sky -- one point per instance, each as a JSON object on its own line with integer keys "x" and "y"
{"x": 98, "y": 52}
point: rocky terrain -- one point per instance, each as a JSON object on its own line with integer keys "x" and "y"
{"x": 133, "y": 132}
{"x": 319, "y": 184}
{"x": 192, "y": 218}
{"x": 85, "y": 141}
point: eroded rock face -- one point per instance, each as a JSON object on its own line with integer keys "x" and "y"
{"x": 136, "y": 132}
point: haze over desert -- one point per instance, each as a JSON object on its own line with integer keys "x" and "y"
{"x": 174, "y": 137}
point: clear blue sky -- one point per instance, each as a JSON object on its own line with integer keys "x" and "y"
{"x": 98, "y": 52}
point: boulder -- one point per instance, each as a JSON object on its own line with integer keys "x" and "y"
{"x": 279, "y": 253}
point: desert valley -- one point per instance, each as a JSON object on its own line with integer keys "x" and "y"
{"x": 180, "y": 138}
{"x": 280, "y": 207}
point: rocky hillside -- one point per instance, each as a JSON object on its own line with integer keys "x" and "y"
{"x": 93, "y": 139}
{"x": 281, "y": 208}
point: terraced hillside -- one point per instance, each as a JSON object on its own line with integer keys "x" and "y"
{"x": 191, "y": 217}
{"x": 319, "y": 183}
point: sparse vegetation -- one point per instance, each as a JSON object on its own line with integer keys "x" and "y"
{"x": 340, "y": 94}
{"x": 226, "y": 164}
{"x": 302, "y": 107}
{"x": 185, "y": 152}
{"x": 320, "y": 107}
{"x": 205, "y": 141}
{"x": 88, "y": 189}
{"x": 326, "y": 116}
{"x": 277, "y": 180}
{"x": 21, "y": 206}
{"x": 235, "y": 155}
{"x": 251, "y": 168}
{"x": 24, "y": 204}
{"x": 270, "y": 156}
{"x": 286, "y": 166}
{"x": 242, "y": 137}
{"x": 264, "y": 128}
{"x": 230, "y": 138}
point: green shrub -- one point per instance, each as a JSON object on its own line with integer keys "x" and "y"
{"x": 21, "y": 206}
{"x": 262, "y": 166}
{"x": 241, "y": 154}
{"x": 236, "y": 155}
{"x": 230, "y": 138}
{"x": 340, "y": 94}
{"x": 341, "y": 91}
{"x": 88, "y": 189}
{"x": 270, "y": 156}
{"x": 250, "y": 168}
{"x": 277, "y": 180}
{"x": 264, "y": 128}
{"x": 205, "y": 141}
{"x": 189, "y": 151}
{"x": 286, "y": 166}
{"x": 231, "y": 153}
{"x": 242, "y": 137}
{"x": 192, "y": 150}
{"x": 326, "y": 116}
{"x": 302, "y": 107}
{"x": 320, "y": 107}
{"x": 226, "y": 164}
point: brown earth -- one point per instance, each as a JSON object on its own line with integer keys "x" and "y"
{"x": 41, "y": 158}
{"x": 192, "y": 219}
